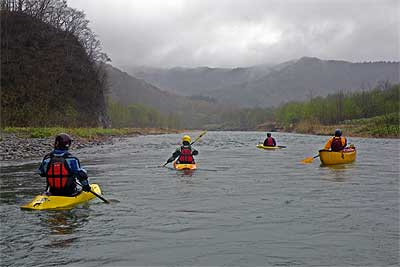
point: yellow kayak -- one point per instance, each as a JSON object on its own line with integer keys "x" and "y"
{"x": 178, "y": 166}
{"x": 269, "y": 147}
{"x": 328, "y": 157}
{"x": 44, "y": 202}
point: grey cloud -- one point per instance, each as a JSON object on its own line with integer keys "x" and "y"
{"x": 231, "y": 33}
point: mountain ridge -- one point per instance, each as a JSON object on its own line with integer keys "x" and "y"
{"x": 268, "y": 85}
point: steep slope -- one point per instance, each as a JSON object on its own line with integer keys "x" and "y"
{"x": 305, "y": 78}
{"x": 47, "y": 78}
{"x": 127, "y": 89}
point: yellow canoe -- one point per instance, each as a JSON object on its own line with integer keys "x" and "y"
{"x": 44, "y": 202}
{"x": 185, "y": 166}
{"x": 328, "y": 157}
{"x": 261, "y": 146}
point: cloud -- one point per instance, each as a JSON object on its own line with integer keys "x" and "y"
{"x": 230, "y": 33}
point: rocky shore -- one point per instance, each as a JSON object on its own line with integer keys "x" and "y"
{"x": 16, "y": 146}
{"x": 13, "y": 147}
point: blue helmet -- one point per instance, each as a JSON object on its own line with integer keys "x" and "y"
{"x": 338, "y": 132}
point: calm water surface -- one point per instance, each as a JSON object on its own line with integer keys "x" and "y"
{"x": 243, "y": 206}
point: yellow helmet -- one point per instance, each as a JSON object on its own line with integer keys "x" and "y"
{"x": 186, "y": 138}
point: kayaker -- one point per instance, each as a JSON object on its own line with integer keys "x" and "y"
{"x": 61, "y": 169}
{"x": 269, "y": 141}
{"x": 185, "y": 152}
{"x": 337, "y": 142}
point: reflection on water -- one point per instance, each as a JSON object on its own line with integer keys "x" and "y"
{"x": 242, "y": 206}
{"x": 64, "y": 222}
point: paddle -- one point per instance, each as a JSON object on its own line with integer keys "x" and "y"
{"x": 309, "y": 159}
{"x": 197, "y": 139}
{"x": 94, "y": 193}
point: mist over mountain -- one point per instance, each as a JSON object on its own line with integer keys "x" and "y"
{"x": 194, "y": 81}
{"x": 126, "y": 89}
{"x": 266, "y": 86}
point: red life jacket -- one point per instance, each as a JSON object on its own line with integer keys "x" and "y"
{"x": 186, "y": 155}
{"x": 58, "y": 173}
{"x": 269, "y": 142}
{"x": 337, "y": 144}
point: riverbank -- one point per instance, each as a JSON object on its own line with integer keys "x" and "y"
{"x": 376, "y": 127}
{"x": 33, "y": 143}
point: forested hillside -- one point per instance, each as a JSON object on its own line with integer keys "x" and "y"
{"x": 196, "y": 81}
{"x": 51, "y": 72}
{"x": 133, "y": 100}
{"x": 374, "y": 112}
{"x": 272, "y": 85}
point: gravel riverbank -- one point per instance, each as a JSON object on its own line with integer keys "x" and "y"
{"x": 13, "y": 147}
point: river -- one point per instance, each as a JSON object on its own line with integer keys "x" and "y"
{"x": 242, "y": 207}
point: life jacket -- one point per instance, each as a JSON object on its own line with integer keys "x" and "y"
{"x": 58, "y": 173}
{"x": 269, "y": 142}
{"x": 186, "y": 155}
{"x": 337, "y": 144}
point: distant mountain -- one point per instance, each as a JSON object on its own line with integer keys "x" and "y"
{"x": 127, "y": 89}
{"x": 194, "y": 81}
{"x": 305, "y": 78}
{"x": 266, "y": 86}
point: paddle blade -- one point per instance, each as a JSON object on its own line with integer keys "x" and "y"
{"x": 200, "y": 136}
{"x": 308, "y": 160}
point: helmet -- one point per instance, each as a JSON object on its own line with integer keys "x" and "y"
{"x": 186, "y": 138}
{"x": 63, "y": 141}
{"x": 338, "y": 132}
{"x": 269, "y": 134}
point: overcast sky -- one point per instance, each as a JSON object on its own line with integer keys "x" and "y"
{"x": 238, "y": 33}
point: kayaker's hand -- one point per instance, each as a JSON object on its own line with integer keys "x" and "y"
{"x": 86, "y": 188}
{"x": 195, "y": 152}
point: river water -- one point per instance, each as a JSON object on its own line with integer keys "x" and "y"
{"x": 242, "y": 207}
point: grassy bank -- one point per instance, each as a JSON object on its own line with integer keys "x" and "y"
{"x": 89, "y": 133}
{"x": 381, "y": 126}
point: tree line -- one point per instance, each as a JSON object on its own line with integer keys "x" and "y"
{"x": 341, "y": 106}
{"x": 62, "y": 17}
{"x": 52, "y": 66}
{"x": 135, "y": 115}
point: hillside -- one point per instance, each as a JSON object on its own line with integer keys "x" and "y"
{"x": 195, "y": 81}
{"x": 47, "y": 78}
{"x": 305, "y": 78}
{"x": 127, "y": 89}
{"x": 266, "y": 86}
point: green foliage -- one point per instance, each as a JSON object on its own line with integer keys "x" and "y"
{"x": 34, "y": 132}
{"x": 139, "y": 116}
{"x": 340, "y": 107}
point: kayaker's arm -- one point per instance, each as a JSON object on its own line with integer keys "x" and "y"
{"x": 79, "y": 173}
{"x": 174, "y": 155}
{"x": 195, "y": 152}
{"x": 328, "y": 144}
{"x": 43, "y": 167}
